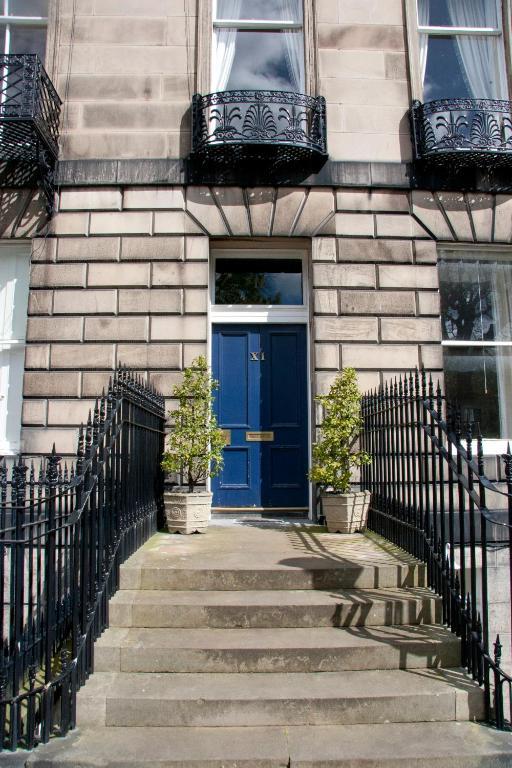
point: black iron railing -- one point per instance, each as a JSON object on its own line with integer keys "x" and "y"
{"x": 63, "y": 534}
{"x": 233, "y": 126}
{"x": 467, "y": 132}
{"x": 431, "y": 497}
{"x": 29, "y": 122}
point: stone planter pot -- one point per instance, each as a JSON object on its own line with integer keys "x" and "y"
{"x": 187, "y": 512}
{"x": 346, "y": 512}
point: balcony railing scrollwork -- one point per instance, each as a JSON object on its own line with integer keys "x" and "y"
{"x": 471, "y": 133}
{"x": 29, "y": 124}
{"x": 284, "y": 127}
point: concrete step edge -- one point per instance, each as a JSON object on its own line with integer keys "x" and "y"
{"x": 442, "y": 745}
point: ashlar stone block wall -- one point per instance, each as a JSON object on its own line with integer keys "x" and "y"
{"x": 126, "y": 71}
{"x": 363, "y": 74}
{"x": 111, "y": 285}
{"x": 122, "y": 277}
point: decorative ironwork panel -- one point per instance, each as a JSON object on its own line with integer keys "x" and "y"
{"x": 64, "y": 532}
{"x": 431, "y": 497}
{"x": 29, "y": 123}
{"x": 467, "y": 132}
{"x": 291, "y": 123}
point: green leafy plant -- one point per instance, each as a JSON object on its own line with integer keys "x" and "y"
{"x": 335, "y": 454}
{"x": 195, "y": 444}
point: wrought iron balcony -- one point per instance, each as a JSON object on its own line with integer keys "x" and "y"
{"x": 468, "y": 133}
{"x": 29, "y": 123}
{"x": 233, "y": 127}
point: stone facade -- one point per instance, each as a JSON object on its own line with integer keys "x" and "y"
{"x": 123, "y": 278}
{"x": 128, "y": 72}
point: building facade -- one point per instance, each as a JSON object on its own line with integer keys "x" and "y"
{"x": 342, "y": 197}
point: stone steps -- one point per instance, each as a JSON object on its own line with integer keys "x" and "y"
{"x": 328, "y": 574}
{"x": 403, "y": 745}
{"x": 321, "y": 698}
{"x": 276, "y": 647}
{"x": 274, "y": 608}
{"x": 325, "y": 649}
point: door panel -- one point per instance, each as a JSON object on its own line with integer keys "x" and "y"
{"x": 284, "y": 408}
{"x": 233, "y": 397}
{"x": 262, "y": 376}
{"x": 237, "y": 409}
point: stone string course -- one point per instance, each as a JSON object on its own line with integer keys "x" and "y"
{"x": 122, "y": 277}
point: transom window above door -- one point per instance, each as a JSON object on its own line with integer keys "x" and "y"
{"x": 258, "y": 45}
{"x": 259, "y": 285}
{"x": 23, "y": 26}
{"x": 258, "y": 281}
{"x": 461, "y": 49}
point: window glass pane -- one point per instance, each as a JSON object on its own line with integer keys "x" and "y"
{"x": 444, "y": 74}
{"x": 464, "y": 66}
{"x": 480, "y": 380}
{"x": 457, "y": 13}
{"x": 258, "y": 281}
{"x": 25, "y": 39}
{"x": 268, "y": 10}
{"x": 267, "y": 61}
{"x": 476, "y": 300}
{"x": 28, "y": 7}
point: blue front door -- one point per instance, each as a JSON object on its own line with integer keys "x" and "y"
{"x": 262, "y": 405}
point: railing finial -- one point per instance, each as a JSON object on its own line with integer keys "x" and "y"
{"x": 498, "y": 648}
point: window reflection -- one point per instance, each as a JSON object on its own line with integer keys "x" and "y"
{"x": 262, "y": 61}
{"x": 28, "y": 8}
{"x": 258, "y": 281}
{"x": 461, "y": 52}
{"x": 26, "y": 39}
{"x": 449, "y": 13}
{"x": 476, "y": 314}
{"x": 479, "y": 380}
{"x": 476, "y": 300}
{"x": 269, "y": 10}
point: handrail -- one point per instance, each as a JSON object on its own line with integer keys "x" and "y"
{"x": 429, "y": 496}
{"x": 63, "y": 536}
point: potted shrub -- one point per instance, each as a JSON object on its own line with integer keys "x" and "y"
{"x": 194, "y": 450}
{"x": 336, "y": 454}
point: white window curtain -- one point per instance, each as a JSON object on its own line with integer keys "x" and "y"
{"x": 482, "y": 59}
{"x": 423, "y": 20}
{"x": 224, "y": 41}
{"x": 294, "y": 44}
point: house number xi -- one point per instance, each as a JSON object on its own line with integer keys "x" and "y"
{"x": 257, "y": 355}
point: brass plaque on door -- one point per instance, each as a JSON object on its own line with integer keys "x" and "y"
{"x": 226, "y": 434}
{"x": 259, "y": 437}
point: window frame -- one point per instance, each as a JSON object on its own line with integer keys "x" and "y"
{"x": 491, "y": 445}
{"x": 269, "y": 313}
{"x": 205, "y": 39}
{"x": 10, "y": 443}
{"x": 8, "y": 21}
{"x": 414, "y": 30}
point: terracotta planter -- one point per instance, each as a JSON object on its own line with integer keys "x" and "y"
{"x": 346, "y": 512}
{"x": 187, "y": 512}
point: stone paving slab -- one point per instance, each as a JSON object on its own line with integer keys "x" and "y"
{"x": 409, "y": 745}
{"x": 260, "y": 554}
{"x": 262, "y": 544}
{"x": 122, "y": 699}
{"x": 275, "y": 650}
{"x": 273, "y": 608}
